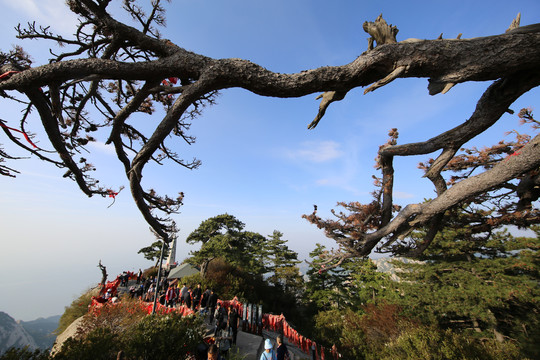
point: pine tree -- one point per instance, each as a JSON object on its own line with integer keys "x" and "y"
{"x": 223, "y": 236}
{"x": 283, "y": 264}
{"x": 485, "y": 284}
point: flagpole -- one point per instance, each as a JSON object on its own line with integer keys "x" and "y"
{"x": 158, "y": 277}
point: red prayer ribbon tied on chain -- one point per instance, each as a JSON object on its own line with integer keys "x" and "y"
{"x": 112, "y": 193}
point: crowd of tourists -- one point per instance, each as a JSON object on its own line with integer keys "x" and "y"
{"x": 223, "y": 320}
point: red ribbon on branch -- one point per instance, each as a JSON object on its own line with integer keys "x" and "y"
{"x": 19, "y": 131}
{"x": 113, "y": 194}
{"x": 8, "y": 74}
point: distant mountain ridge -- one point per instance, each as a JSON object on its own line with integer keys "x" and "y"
{"x": 41, "y": 330}
{"x": 13, "y": 334}
{"x": 34, "y": 334}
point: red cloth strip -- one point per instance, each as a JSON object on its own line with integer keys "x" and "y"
{"x": 19, "y": 131}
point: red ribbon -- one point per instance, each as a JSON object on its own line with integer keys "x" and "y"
{"x": 8, "y": 74}
{"x": 19, "y": 131}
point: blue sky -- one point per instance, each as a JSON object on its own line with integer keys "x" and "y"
{"x": 259, "y": 161}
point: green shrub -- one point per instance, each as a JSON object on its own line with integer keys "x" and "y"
{"x": 98, "y": 344}
{"x": 116, "y": 317}
{"x": 364, "y": 334}
{"x": 163, "y": 337}
{"x": 153, "y": 271}
{"x": 25, "y": 354}
{"x": 329, "y": 326}
{"x": 78, "y": 308}
{"x": 431, "y": 343}
{"x": 126, "y": 327}
{"x": 381, "y": 332}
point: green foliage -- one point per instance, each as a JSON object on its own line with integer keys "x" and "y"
{"x": 166, "y": 337}
{"x": 118, "y": 317}
{"x": 431, "y": 343}
{"x": 325, "y": 289}
{"x": 491, "y": 287}
{"x": 78, "y": 308}
{"x": 25, "y": 354}
{"x": 229, "y": 281}
{"x": 98, "y": 344}
{"x": 289, "y": 279}
{"x": 382, "y": 332}
{"x": 474, "y": 296}
{"x": 126, "y": 327}
{"x": 368, "y": 286}
{"x": 369, "y": 331}
{"x": 282, "y": 263}
{"x": 235, "y": 262}
{"x": 329, "y": 325}
{"x": 352, "y": 285}
{"x": 223, "y": 237}
{"x": 234, "y": 354}
{"x": 153, "y": 252}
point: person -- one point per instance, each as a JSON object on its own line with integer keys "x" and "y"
{"x": 213, "y": 353}
{"x": 212, "y": 303}
{"x": 147, "y": 284}
{"x": 170, "y": 297}
{"x": 282, "y": 353}
{"x": 223, "y": 338}
{"x": 140, "y": 291}
{"x": 221, "y": 318}
{"x": 196, "y": 294}
{"x": 268, "y": 353}
{"x": 187, "y": 298}
{"x": 124, "y": 278}
{"x": 139, "y": 276}
{"x": 204, "y": 298}
{"x": 150, "y": 293}
{"x": 132, "y": 291}
{"x": 161, "y": 298}
{"x": 183, "y": 291}
{"x": 108, "y": 294}
{"x": 233, "y": 323}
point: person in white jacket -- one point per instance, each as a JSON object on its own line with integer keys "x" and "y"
{"x": 268, "y": 353}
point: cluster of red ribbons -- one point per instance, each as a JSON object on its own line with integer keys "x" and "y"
{"x": 276, "y": 323}
{"x": 170, "y": 81}
{"x": 237, "y": 305}
{"x": 113, "y": 285}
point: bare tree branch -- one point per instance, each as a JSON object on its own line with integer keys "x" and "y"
{"x": 115, "y": 70}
